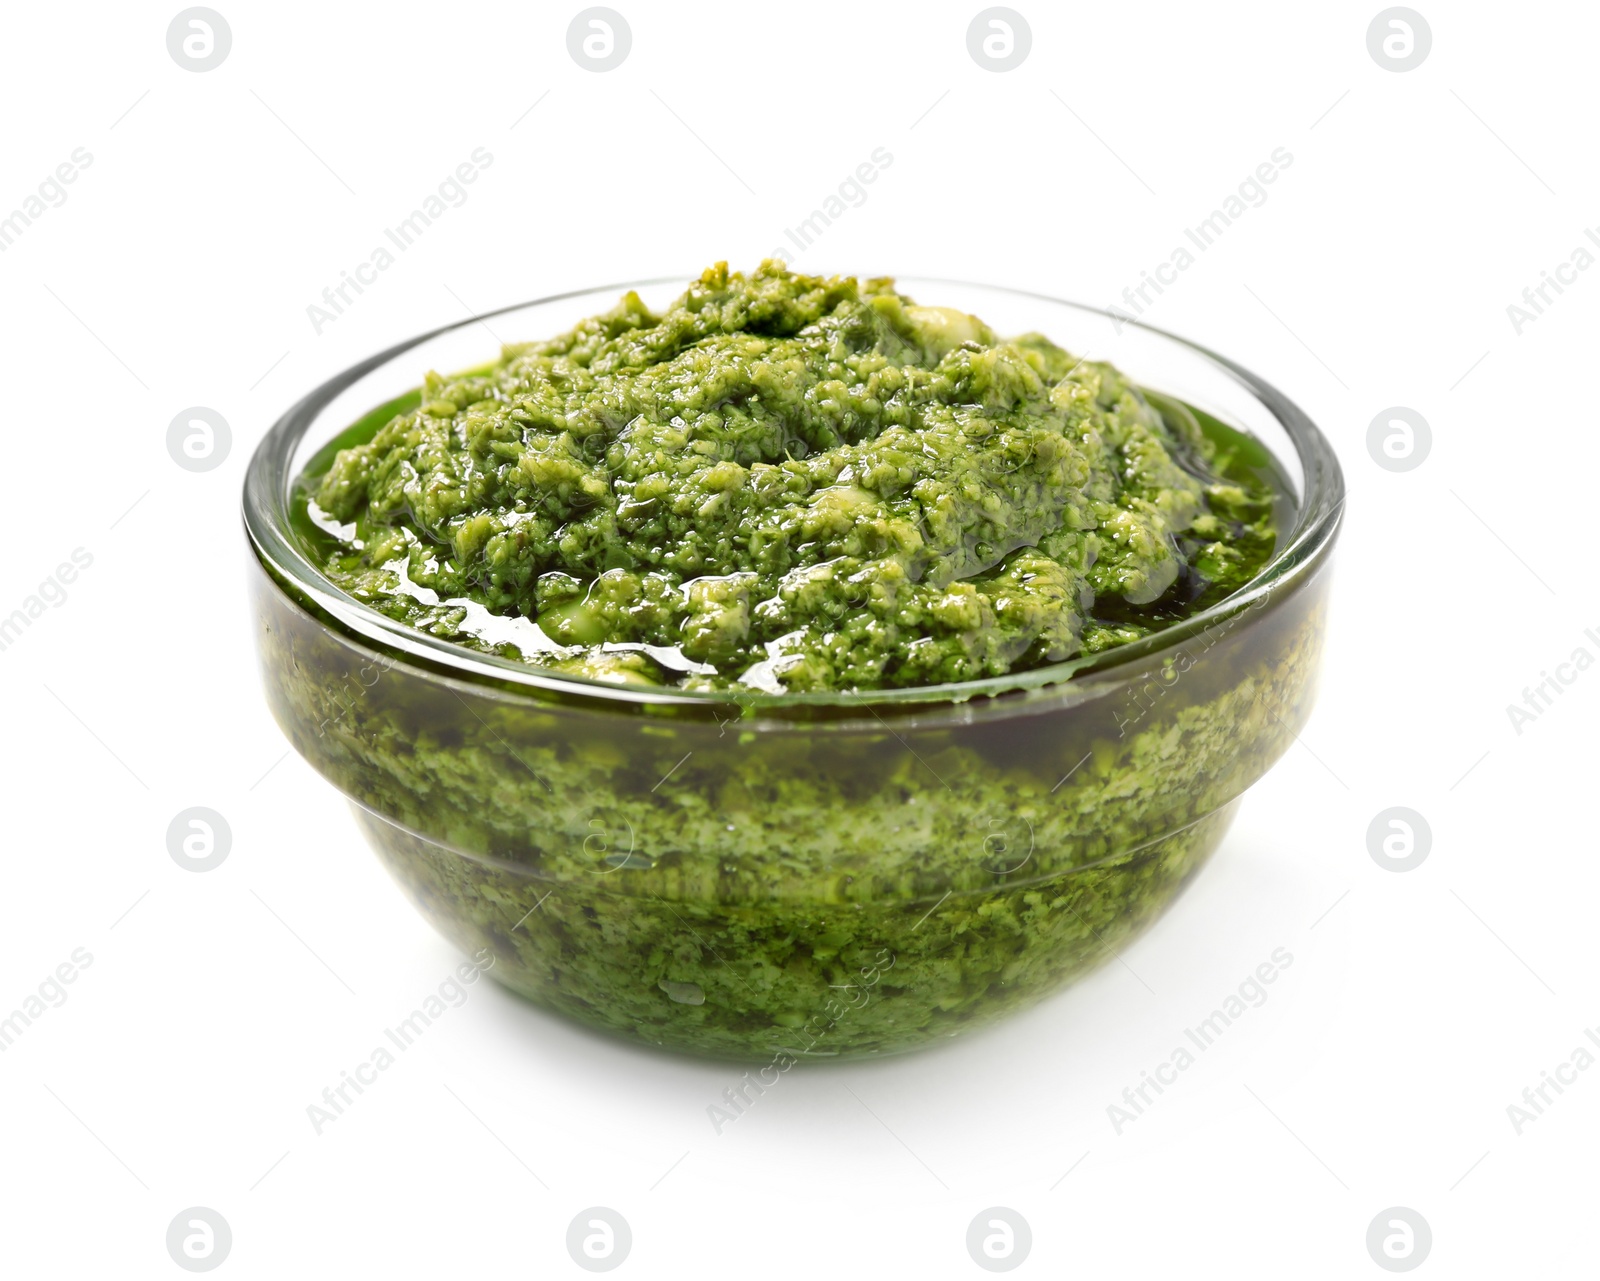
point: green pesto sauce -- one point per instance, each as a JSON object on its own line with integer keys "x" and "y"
{"x": 789, "y": 483}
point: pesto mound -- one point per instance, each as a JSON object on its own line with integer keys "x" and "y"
{"x": 790, "y": 483}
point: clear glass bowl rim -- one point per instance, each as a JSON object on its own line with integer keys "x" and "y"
{"x": 266, "y": 505}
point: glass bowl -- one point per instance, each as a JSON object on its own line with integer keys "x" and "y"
{"x": 785, "y": 877}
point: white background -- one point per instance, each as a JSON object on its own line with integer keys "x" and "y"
{"x": 1419, "y": 1005}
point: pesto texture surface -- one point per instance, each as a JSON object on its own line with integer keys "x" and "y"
{"x": 790, "y": 483}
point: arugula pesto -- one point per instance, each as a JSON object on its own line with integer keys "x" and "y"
{"x": 789, "y": 483}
